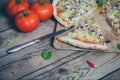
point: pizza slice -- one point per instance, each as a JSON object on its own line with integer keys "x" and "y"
{"x": 67, "y": 12}
{"x": 112, "y": 14}
{"x": 87, "y": 36}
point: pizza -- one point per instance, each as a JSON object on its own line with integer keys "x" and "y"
{"x": 87, "y": 35}
{"x": 112, "y": 14}
{"x": 67, "y": 12}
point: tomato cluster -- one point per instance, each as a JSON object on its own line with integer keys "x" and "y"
{"x": 28, "y": 17}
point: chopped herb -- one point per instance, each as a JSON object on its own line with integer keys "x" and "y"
{"x": 118, "y": 46}
{"x": 46, "y": 55}
{"x": 100, "y": 3}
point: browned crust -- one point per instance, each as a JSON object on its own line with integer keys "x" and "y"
{"x": 83, "y": 45}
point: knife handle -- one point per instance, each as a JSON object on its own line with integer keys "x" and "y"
{"x": 22, "y": 46}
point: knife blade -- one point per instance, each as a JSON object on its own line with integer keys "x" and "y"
{"x": 24, "y": 45}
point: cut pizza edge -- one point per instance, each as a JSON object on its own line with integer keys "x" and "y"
{"x": 112, "y": 24}
{"x": 83, "y": 44}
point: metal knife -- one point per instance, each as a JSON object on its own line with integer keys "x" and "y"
{"x": 24, "y": 45}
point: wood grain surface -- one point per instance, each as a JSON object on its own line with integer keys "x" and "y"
{"x": 27, "y": 64}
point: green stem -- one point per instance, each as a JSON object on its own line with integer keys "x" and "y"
{"x": 25, "y": 14}
{"x": 18, "y": 1}
{"x": 41, "y": 2}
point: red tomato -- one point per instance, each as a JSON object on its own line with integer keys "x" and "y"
{"x": 27, "y": 21}
{"x": 15, "y": 6}
{"x": 43, "y": 8}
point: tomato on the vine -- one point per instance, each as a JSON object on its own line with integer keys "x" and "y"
{"x": 27, "y": 20}
{"x": 43, "y": 8}
{"x": 15, "y": 6}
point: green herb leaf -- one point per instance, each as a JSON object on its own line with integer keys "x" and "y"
{"x": 100, "y": 3}
{"x": 118, "y": 46}
{"x": 46, "y": 55}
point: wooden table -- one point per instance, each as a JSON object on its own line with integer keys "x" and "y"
{"x": 63, "y": 65}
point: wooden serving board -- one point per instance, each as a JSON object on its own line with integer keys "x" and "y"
{"x": 105, "y": 27}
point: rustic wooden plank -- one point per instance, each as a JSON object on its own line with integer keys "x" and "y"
{"x": 3, "y": 4}
{"x": 12, "y": 37}
{"x": 28, "y": 63}
{"x": 102, "y": 61}
{"x": 106, "y": 62}
{"x": 24, "y": 68}
{"x": 94, "y": 74}
{"x": 16, "y": 56}
{"x": 81, "y": 63}
{"x": 115, "y": 75}
{"x": 56, "y": 63}
{"x": 5, "y": 22}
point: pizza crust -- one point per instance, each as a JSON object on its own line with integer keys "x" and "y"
{"x": 55, "y": 14}
{"x": 81, "y": 44}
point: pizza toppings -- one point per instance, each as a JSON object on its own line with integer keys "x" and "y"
{"x": 88, "y": 33}
{"x": 112, "y": 12}
{"x": 107, "y": 41}
{"x": 70, "y": 11}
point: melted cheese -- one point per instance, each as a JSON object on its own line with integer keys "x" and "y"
{"x": 72, "y": 10}
{"x": 88, "y": 32}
